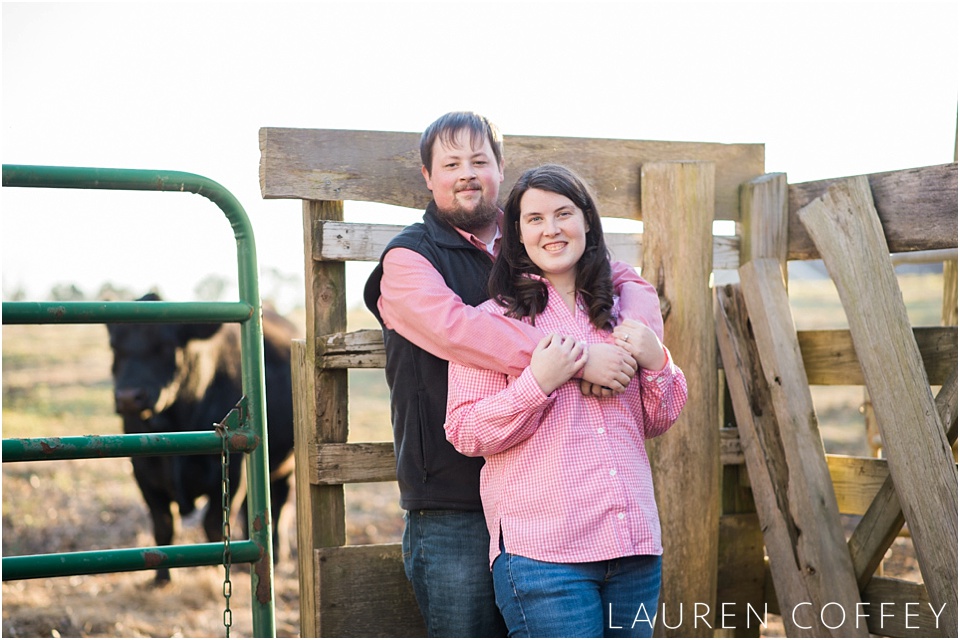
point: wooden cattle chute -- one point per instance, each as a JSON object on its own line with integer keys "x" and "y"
{"x": 714, "y": 561}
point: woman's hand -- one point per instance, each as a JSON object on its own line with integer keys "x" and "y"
{"x": 555, "y": 360}
{"x": 642, "y": 343}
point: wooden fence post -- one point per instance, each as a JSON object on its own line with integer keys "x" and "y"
{"x": 678, "y": 208}
{"x": 764, "y": 212}
{"x": 949, "y": 312}
{"x": 846, "y": 229}
{"x": 320, "y": 412}
{"x": 762, "y": 231}
{"x": 812, "y": 565}
{"x": 948, "y": 315}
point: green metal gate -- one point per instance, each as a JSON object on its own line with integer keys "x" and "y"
{"x": 246, "y": 425}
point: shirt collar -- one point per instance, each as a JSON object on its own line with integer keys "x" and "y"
{"x": 494, "y": 247}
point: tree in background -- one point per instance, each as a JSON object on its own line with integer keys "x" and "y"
{"x": 211, "y": 288}
{"x": 111, "y": 292}
{"x": 66, "y": 292}
{"x": 281, "y": 291}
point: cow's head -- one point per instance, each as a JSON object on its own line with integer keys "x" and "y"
{"x": 150, "y": 363}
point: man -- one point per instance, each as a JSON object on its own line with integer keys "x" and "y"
{"x": 423, "y": 292}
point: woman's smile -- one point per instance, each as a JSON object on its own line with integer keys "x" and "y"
{"x": 553, "y": 231}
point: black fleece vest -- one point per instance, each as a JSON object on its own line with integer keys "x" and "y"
{"x": 430, "y": 472}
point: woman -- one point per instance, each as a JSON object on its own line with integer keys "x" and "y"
{"x": 566, "y": 486}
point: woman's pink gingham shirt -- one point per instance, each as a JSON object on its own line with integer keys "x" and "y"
{"x": 567, "y": 477}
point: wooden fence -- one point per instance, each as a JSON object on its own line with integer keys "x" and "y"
{"x": 750, "y": 505}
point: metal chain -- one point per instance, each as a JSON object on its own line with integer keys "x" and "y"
{"x": 225, "y": 498}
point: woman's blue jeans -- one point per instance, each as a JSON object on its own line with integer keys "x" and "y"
{"x": 608, "y": 599}
{"x": 446, "y": 556}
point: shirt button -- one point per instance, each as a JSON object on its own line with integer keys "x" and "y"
{"x": 621, "y": 515}
{"x": 613, "y": 472}
{"x": 649, "y": 378}
{"x": 601, "y": 430}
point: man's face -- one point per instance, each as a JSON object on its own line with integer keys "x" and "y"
{"x": 465, "y": 181}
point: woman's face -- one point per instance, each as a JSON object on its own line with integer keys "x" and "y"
{"x": 554, "y": 232}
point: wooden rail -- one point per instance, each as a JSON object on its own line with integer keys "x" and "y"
{"x": 344, "y": 241}
{"x": 828, "y": 354}
{"x": 383, "y": 166}
{"x": 916, "y": 207}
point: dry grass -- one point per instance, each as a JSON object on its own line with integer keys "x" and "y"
{"x": 56, "y": 382}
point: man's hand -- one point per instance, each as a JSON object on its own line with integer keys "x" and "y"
{"x": 555, "y": 360}
{"x": 589, "y": 389}
{"x": 608, "y": 371}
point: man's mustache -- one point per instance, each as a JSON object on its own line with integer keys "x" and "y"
{"x": 470, "y": 185}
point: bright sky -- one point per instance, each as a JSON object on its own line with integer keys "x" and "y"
{"x": 831, "y": 89}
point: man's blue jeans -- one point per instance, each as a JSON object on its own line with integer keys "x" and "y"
{"x": 608, "y": 599}
{"x": 446, "y": 556}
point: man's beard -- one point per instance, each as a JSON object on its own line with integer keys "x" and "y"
{"x": 481, "y": 217}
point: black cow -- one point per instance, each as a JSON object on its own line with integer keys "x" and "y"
{"x": 186, "y": 377}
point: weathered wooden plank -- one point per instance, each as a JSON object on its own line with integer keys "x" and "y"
{"x": 731, "y": 449}
{"x": 902, "y": 609}
{"x": 883, "y": 518}
{"x": 384, "y": 166}
{"x": 948, "y": 314}
{"x": 765, "y": 456}
{"x": 354, "y": 349}
{"x": 740, "y": 574}
{"x": 677, "y": 254}
{"x": 763, "y": 217}
{"x": 343, "y": 463}
{"x": 847, "y": 231}
{"x": 307, "y": 507}
{"x": 830, "y": 358}
{"x": 828, "y": 355}
{"x": 763, "y": 234}
{"x": 365, "y": 593}
{"x": 325, "y": 405}
{"x": 889, "y": 608}
{"x": 856, "y": 481}
{"x": 917, "y": 209}
{"x": 806, "y": 544}
{"x": 328, "y": 164}
{"x": 346, "y": 241}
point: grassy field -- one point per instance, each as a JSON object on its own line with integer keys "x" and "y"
{"x": 56, "y": 382}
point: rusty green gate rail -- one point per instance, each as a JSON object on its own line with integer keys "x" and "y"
{"x": 258, "y": 550}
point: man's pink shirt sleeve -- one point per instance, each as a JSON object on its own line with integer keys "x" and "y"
{"x": 417, "y": 303}
{"x": 638, "y": 298}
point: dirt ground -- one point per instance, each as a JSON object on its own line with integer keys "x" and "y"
{"x": 90, "y": 514}
{"x": 56, "y": 382}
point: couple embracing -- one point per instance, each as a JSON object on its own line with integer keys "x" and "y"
{"x": 526, "y": 371}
